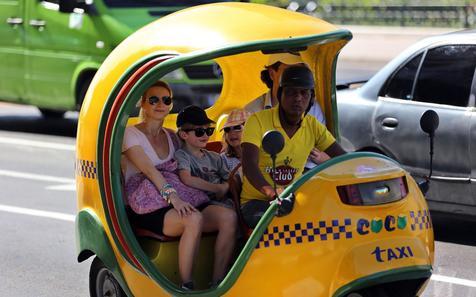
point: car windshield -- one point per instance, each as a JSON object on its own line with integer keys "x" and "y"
{"x": 156, "y": 3}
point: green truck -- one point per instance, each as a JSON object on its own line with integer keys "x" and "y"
{"x": 51, "y": 49}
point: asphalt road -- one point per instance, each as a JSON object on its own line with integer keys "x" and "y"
{"x": 37, "y": 208}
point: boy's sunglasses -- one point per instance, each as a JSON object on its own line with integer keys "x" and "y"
{"x": 153, "y": 100}
{"x": 234, "y": 128}
{"x": 199, "y": 132}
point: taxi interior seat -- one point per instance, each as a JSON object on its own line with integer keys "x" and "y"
{"x": 214, "y": 146}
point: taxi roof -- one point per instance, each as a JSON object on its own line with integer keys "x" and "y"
{"x": 212, "y": 26}
{"x": 237, "y": 36}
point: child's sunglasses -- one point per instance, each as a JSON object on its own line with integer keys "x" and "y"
{"x": 153, "y": 100}
{"x": 199, "y": 132}
{"x": 234, "y": 128}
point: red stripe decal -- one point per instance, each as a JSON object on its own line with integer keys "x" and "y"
{"x": 118, "y": 102}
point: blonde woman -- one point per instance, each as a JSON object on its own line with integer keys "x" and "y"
{"x": 159, "y": 200}
{"x": 233, "y": 128}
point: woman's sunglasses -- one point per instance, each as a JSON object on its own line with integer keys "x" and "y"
{"x": 234, "y": 128}
{"x": 153, "y": 100}
{"x": 199, "y": 132}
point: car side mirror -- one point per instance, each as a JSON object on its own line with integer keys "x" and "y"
{"x": 429, "y": 122}
{"x": 67, "y": 6}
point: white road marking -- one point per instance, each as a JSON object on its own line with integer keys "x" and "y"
{"x": 453, "y": 280}
{"x": 39, "y": 177}
{"x": 66, "y": 187}
{"x": 39, "y": 144}
{"x": 38, "y": 213}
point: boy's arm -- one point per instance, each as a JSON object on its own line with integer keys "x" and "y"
{"x": 198, "y": 183}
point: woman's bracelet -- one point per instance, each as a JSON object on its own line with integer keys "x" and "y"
{"x": 166, "y": 191}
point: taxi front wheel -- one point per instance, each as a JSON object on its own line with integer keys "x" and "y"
{"x": 102, "y": 282}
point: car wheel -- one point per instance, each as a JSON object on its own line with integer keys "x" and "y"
{"x": 102, "y": 282}
{"x": 51, "y": 113}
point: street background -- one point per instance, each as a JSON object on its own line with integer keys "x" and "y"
{"x": 38, "y": 202}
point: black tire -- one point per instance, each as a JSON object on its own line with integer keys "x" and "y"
{"x": 82, "y": 91}
{"x": 51, "y": 113}
{"x": 102, "y": 282}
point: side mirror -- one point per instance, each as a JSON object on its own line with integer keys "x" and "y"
{"x": 67, "y": 6}
{"x": 429, "y": 122}
{"x": 273, "y": 143}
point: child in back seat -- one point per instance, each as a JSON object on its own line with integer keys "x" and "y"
{"x": 198, "y": 167}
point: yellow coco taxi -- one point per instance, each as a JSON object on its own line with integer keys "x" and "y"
{"x": 359, "y": 226}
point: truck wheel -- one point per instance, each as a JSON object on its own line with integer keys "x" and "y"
{"x": 82, "y": 91}
{"x": 102, "y": 282}
{"x": 51, "y": 113}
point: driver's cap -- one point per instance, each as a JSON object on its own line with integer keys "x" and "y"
{"x": 297, "y": 77}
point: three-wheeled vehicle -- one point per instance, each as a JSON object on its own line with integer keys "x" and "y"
{"x": 359, "y": 225}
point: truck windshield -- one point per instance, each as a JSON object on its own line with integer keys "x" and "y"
{"x": 156, "y": 3}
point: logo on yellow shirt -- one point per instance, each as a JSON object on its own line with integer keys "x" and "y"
{"x": 283, "y": 174}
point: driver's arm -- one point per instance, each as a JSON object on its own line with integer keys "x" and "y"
{"x": 251, "y": 169}
{"x": 335, "y": 150}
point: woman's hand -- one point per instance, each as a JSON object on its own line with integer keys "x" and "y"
{"x": 318, "y": 157}
{"x": 222, "y": 190}
{"x": 183, "y": 208}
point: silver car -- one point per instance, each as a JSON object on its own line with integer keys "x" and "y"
{"x": 383, "y": 116}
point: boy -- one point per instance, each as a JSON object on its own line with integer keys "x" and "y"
{"x": 198, "y": 167}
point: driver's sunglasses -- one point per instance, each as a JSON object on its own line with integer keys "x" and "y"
{"x": 234, "y": 128}
{"x": 199, "y": 132}
{"x": 153, "y": 100}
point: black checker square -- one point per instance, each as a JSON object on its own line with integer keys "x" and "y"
{"x": 420, "y": 220}
{"x": 307, "y": 232}
{"x": 86, "y": 168}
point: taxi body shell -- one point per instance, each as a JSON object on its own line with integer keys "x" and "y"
{"x": 240, "y": 37}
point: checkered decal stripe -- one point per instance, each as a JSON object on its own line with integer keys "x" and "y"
{"x": 420, "y": 220}
{"x": 86, "y": 168}
{"x": 308, "y": 232}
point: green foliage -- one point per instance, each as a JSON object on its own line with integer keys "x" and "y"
{"x": 438, "y": 13}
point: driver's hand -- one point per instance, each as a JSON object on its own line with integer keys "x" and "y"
{"x": 318, "y": 157}
{"x": 270, "y": 193}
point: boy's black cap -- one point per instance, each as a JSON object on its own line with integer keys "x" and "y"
{"x": 194, "y": 115}
{"x": 298, "y": 77}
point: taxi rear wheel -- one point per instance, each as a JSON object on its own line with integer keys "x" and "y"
{"x": 102, "y": 282}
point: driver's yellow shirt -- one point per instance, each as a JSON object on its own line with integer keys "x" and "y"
{"x": 291, "y": 160}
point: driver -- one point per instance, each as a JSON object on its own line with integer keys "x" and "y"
{"x": 270, "y": 76}
{"x": 302, "y": 133}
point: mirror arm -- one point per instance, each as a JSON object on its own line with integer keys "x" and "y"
{"x": 432, "y": 136}
{"x": 273, "y": 158}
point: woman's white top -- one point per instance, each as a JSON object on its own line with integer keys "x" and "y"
{"x": 134, "y": 137}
